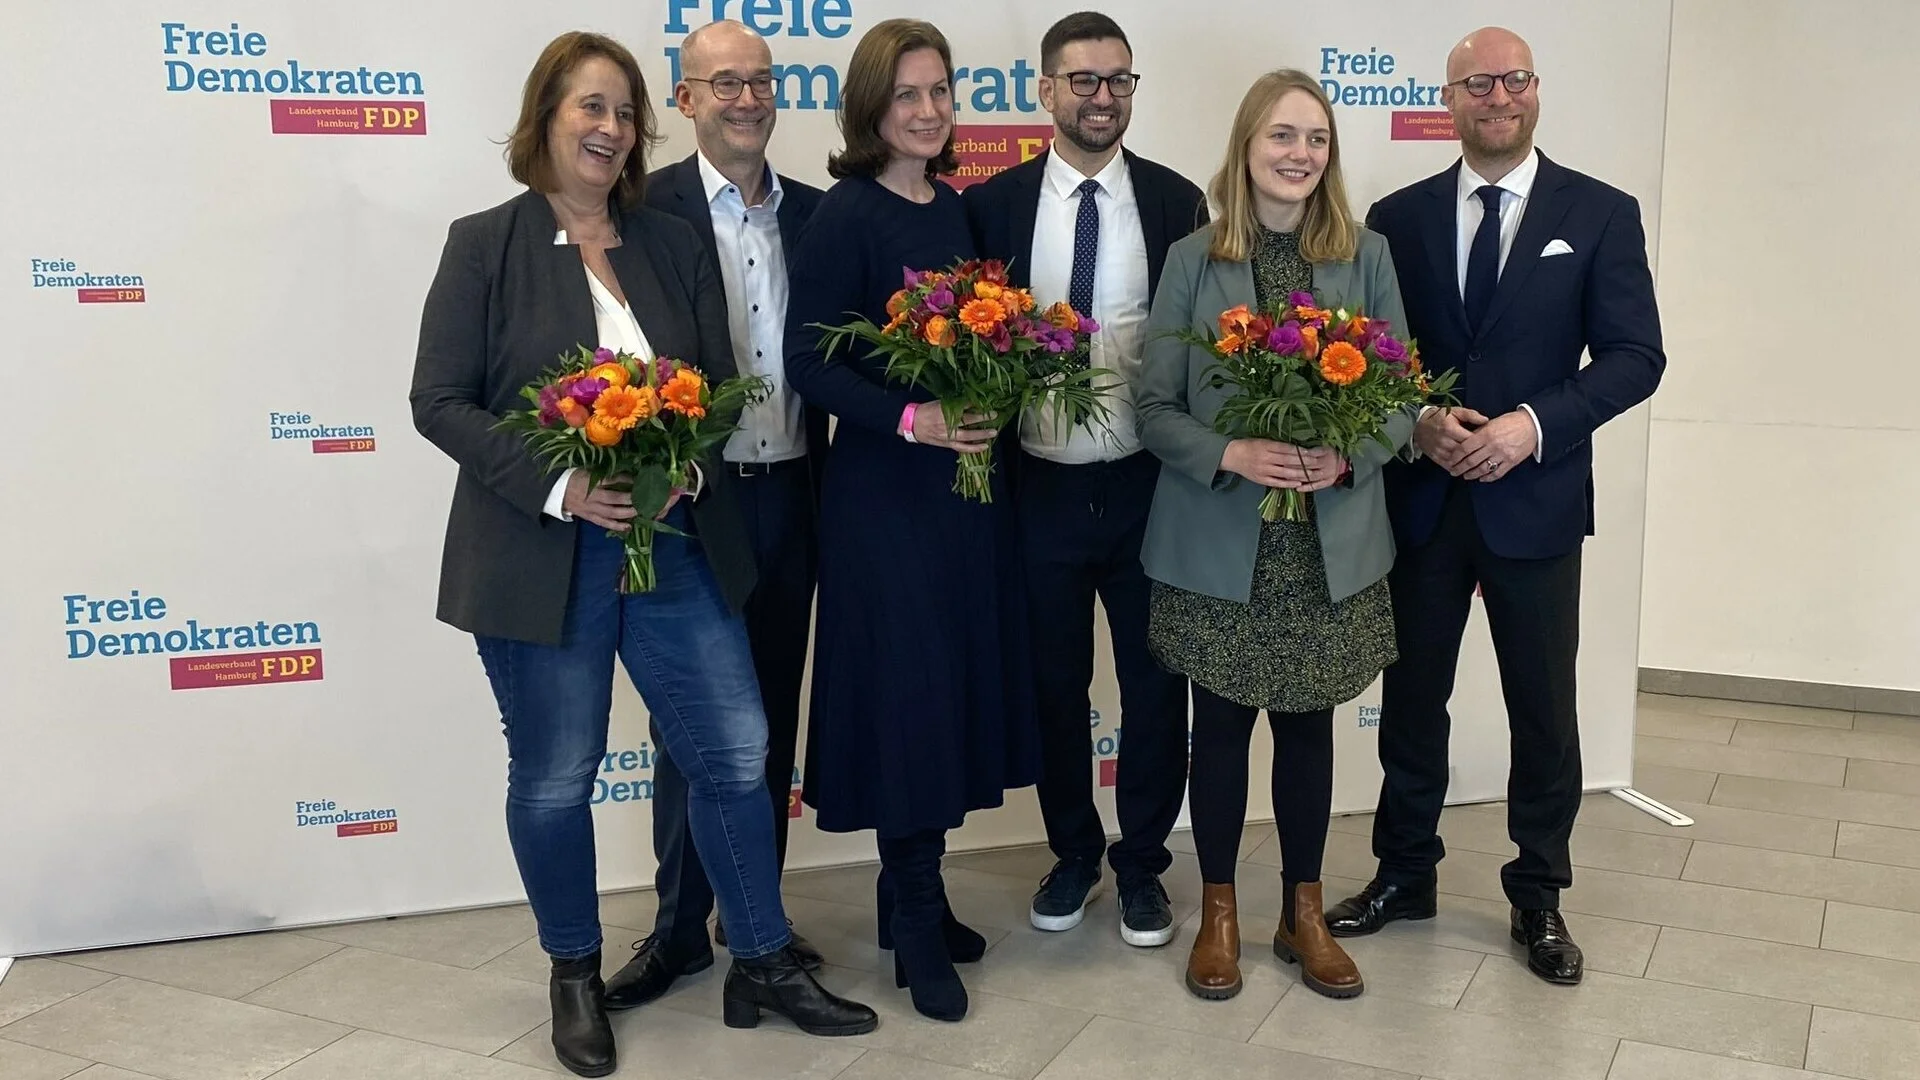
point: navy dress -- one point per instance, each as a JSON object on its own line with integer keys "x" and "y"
{"x": 922, "y": 706}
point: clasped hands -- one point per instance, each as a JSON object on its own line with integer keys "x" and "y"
{"x": 1470, "y": 446}
{"x": 1284, "y": 465}
{"x": 608, "y": 504}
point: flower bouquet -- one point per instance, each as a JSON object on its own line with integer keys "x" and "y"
{"x": 1312, "y": 377}
{"x": 616, "y": 416}
{"x": 977, "y": 344}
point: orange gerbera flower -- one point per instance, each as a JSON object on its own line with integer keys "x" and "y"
{"x": 574, "y": 413}
{"x": 1019, "y": 299}
{"x": 624, "y": 406}
{"x": 1342, "y": 364}
{"x": 615, "y": 374}
{"x": 1312, "y": 314}
{"x": 987, "y": 290}
{"x": 1230, "y": 343}
{"x": 602, "y": 431}
{"x": 1235, "y": 320}
{"x": 1062, "y": 315}
{"x": 939, "y": 331}
{"x": 897, "y": 303}
{"x": 682, "y": 393}
{"x": 982, "y": 316}
{"x": 1310, "y": 342}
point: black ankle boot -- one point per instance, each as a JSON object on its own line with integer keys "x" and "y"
{"x": 964, "y": 944}
{"x": 582, "y": 1035}
{"x": 777, "y": 983}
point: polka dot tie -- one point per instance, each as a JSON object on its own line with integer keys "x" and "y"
{"x": 1086, "y": 248}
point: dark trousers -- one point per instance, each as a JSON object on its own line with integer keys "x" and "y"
{"x": 1081, "y": 528}
{"x": 1302, "y": 786}
{"x": 1533, "y": 612}
{"x": 779, "y": 510}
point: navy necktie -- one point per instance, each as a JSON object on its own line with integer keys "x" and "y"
{"x": 1483, "y": 259}
{"x": 1086, "y": 249}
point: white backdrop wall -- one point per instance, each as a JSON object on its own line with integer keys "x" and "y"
{"x": 1783, "y": 511}
{"x": 299, "y": 741}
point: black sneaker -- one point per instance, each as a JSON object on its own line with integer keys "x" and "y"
{"x": 1146, "y": 919}
{"x": 1062, "y": 900}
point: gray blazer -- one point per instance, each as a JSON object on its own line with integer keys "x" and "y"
{"x": 1205, "y": 526}
{"x": 505, "y": 303}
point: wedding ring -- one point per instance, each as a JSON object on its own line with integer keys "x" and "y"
{"x": 1489, "y": 464}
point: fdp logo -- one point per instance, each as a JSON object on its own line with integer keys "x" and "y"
{"x": 302, "y": 99}
{"x": 88, "y": 287}
{"x": 987, "y": 150}
{"x": 326, "y": 813}
{"x": 199, "y": 656}
{"x": 1371, "y": 79}
{"x": 325, "y": 439}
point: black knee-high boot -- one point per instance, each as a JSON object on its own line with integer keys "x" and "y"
{"x": 921, "y": 961}
{"x": 964, "y": 943}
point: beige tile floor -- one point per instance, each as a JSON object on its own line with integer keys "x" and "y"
{"x": 1777, "y": 938}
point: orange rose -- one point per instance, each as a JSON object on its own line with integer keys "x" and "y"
{"x": 602, "y": 431}
{"x": 682, "y": 393}
{"x": 897, "y": 303}
{"x": 1342, "y": 364}
{"x": 939, "y": 332}
{"x": 574, "y": 413}
{"x": 615, "y": 374}
{"x": 1235, "y": 320}
{"x": 1062, "y": 315}
{"x": 987, "y": 290}
{"x": 982, "y": 316}
{"x": 1310, "y": 342}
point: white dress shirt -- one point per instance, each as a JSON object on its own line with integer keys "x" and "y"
{"x": 753, "y": 267}
{"x": 1516, "y": 190}
{"x": 618, "y": 329}
{"x": 1120, "y": 301}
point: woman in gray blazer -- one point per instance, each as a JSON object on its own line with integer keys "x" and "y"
{"x": 1287, "y": 616}
{"x": 532, "y": 570}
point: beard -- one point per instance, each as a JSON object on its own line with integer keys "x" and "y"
{"x": 1093, "y": 142}
{"x": 1519, "y": 138}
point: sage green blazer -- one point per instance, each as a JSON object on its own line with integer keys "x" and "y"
{"x": 1205, "y": 526}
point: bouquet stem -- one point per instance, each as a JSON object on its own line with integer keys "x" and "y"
{"x": 973, "y": 477}
{"x": 638, "y": 575}
{"x": 1283, "y": 504}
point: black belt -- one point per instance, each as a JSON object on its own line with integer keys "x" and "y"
{"x": 765, "y": 468}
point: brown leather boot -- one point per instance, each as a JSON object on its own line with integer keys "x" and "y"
{"x": 1324, "y": 966}
{"x": 1213, "y": 970}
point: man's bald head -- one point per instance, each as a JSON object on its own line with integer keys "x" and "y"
{"x": 1495, "y": 128}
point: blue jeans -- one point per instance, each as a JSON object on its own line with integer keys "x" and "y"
{"x": 688, "y": 656}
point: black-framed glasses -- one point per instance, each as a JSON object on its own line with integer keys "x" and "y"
{"x": 1087, "y": 83}
{"x": 728, "y": 87}
{"x": 1516, "y": 82}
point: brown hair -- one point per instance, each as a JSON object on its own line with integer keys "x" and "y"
{"x": 1327, "y": 229}
{"x": 545, "y": 89}
{"x": 867, "y": 95}
{"x": 1079, "y": 26}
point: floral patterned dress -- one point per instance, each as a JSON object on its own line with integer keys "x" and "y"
{"x": 1290, "y": 648}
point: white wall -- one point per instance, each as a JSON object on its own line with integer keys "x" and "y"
{"x": 1783, "y": 515}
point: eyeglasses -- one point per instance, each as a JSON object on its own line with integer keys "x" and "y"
{"x": 1516, "y": 82}
{"x": 1087, "y": 84}
{"x": 728, "y": 87}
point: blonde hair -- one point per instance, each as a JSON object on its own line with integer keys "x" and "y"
{"x": 1327, "y": 229}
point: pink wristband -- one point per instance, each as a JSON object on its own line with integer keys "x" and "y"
{"x": 906, "y": 422}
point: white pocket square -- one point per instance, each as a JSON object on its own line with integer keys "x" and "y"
{"x": 1556, "y": 247}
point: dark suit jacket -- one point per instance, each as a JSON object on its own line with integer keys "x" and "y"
{"x": 1545, "y": 311}
{"x": 1002, "y": 211}
{"x": 505, "y": 304}
{"x": 678, "y": 190}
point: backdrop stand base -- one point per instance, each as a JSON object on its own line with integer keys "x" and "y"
{"x": 1652, "y": 807}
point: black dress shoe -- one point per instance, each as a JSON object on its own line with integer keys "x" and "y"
{"x": 777, "y": 983}
{"x": 582, "y": 1035}
{"x": 1551, "y": 953}
{"x": 1379, "y": 904}
{"x": 650, "y": 973}
{"x": 803, "y": 949}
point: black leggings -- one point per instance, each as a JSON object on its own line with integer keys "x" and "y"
{"x": 1217, "y": 787}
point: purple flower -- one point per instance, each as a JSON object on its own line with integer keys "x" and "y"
{"x": 604, "y": 355}
{"x": 662, "y": 370}
{"x": 1389, "y": 349}
{"x": 1088, "y": 326}
{"x": 1285, "y": 339}
{"x": 1301, "y": 299}
{"x": 910, "y": 276}
{"x": 1001, "y": 339}
{"x": 939, "y": 301}
{"x": 586, "y": 391}
{"x": 549, "y": 405}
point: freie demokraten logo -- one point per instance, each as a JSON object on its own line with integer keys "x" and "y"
{"x": 299, "y": 427}
{"x": 1370, "y": 80}
{"x": 88, "y": 287}
{"x": 302, "y": 99}
{"x": 322, "y": 813}
{"x": 1106, "y": 750}
{"x": 199, "y": 656}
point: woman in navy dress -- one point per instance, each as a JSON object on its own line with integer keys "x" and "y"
{"x": 922, "y": 684}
